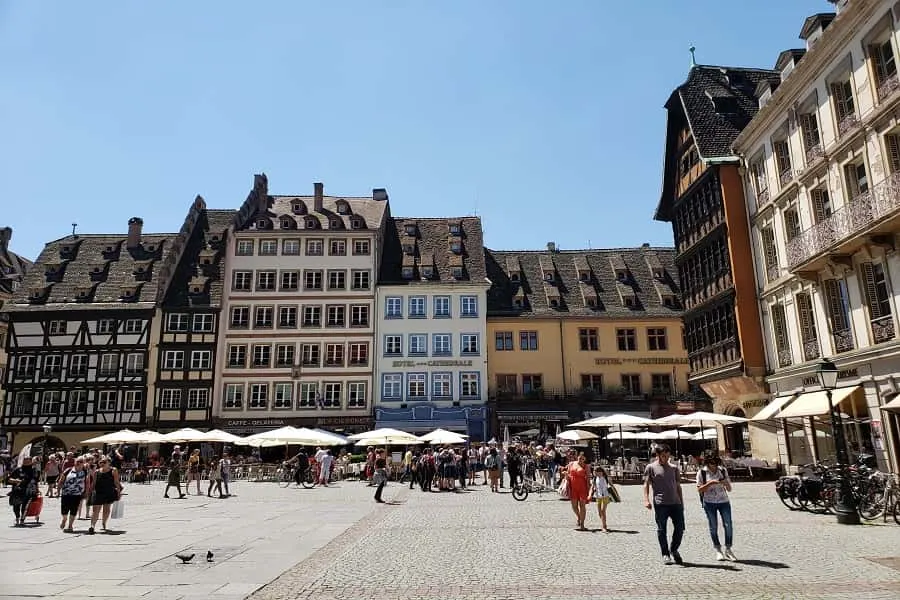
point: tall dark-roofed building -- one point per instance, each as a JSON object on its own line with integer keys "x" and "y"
{"x": 12, "y": 271}
{"x": 431, "y": 349}
{"x": 574, "y": 334}
{"x": 703, "y": 199}
{"x": 80, "y": 332}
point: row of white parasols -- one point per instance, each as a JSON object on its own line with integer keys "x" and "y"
{"x": 283, "y": 436}
{"x": 621, "y": 421}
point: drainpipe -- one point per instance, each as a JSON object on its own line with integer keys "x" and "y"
{"x": 562, "y": 357}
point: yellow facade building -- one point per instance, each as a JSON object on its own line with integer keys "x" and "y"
{"x": 580, "y": 333}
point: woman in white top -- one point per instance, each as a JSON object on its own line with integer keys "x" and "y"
{"x": 600, "y": 492}
{"x": 714, "y": 484}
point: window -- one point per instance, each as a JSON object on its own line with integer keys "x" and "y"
{"x": 337, "y": 248}
{"x": 198, "y": 399}
{"x": 456, "y": 247}
{"x": 393, "y": 345}
{"x": 406, "y": 272}
{"x": 844, "y": 105}
{"x": 877, "y": 295}
{"x": 782, "y": 152}
{"x": 242, "y": 281}
{"x": 528, "y": 340}
{"x": 263, "y": 317}
{"x": 203, "y": 323}
{"x": 175, "y": 322}
{"x": 812, "y": 140}
{"x": 240, "y": 317}
{"x": 312, "y": 280}
{"x": 287, "y": 317}
{"x": 50, "y": 402}
{"x": 359, "y": 354}
{"x": 333, "y": 393}
{"x": 361, "y": 247}
{"x": 356, "y": 394}
{"x": 468, "y": 306}
{"x": 78, "y": 365}
{"x": 884, "y": 67}
{"x": 626, "y": 340}
{"x": 588, "y": 339}
{"x": 469, "y": 385}
{"x": 314, "y": 247}
{"x": 791, "y": 224}
{"x": 416, "y": 384}
{"x": 393, "y": 308}
{"x": 107, "y": 326}
{"x": 337, "y": 280}
{"x": 334, "y": 355}
{"x": 25, "y": 366}
{"x": 262, "y": 355}
{"x": 656, "y": 338}
{"x": 284, "y": 395}
{"x": 265, "y": 281}
{"x": 661, "y": 383}
{"x": 336, "y": 314}
{"x": 23, "y": 404}
{"x": 134, "y": 400}
{"x": 309, "y": 395}
{"x": 268, "y": 247}
{"x": 312, "y": 316}
{"x": 77, "y": 402}
{"x": 441, "y": 307}
{"x": 109, "y": 365}
{"x": 592, "y": 382}
{"x": 442, "y": 385}
{"x": 201, "y": 359}
{"x": 173, "y": 359}
{"x": 443, "y": 344}
{"x": 531, "y": 383}
{"x": 244, "y": 248}
{"x": 237, "y": 356}
{"x": 392, "y": 386}
{"x": 234, "y": 396}
{"x": 133, "y": 326}
{"x": 57, "y": 327}
{"x": 361, "y": 280}
{"x": 290, "y": 281}
{"x": 107, "y": 401}
{"x": 418, "y": 344}
{"x": 857, "y": 180}
{"x": 170, "y": 399}
{"x": 259, "y": 395}
{"x": 503, "y": 340}
{"x": 417, "y": 308}
{"x": 310, "y": 355}
{"x": 53, "y": 365}
{"x": 632, "y": 384}
{"x": 134, "y": 364}
{"x": 290, "y": 247}
{"x": 469, "y": 343}
{"x": 359, "y": 315}
{"x": 821, "y": 204}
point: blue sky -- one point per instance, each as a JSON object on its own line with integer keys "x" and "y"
{"x": 544, "y": 117}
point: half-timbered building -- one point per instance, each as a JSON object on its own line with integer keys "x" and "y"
{"x": 12, "y": 270}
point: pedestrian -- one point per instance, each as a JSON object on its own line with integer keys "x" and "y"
{"x": 24, "y": 482}
{"x": 407, "y": 466}
{"x": 667, "y": 503}
{"x": 194, "y": 469}
{"x": 325, "y": 467}
{"x": 71, "y": 491}
{"x": 174, "y": 478}
{"x": 51, "y": 474}
{"x": 600, "y": 493}
{"x": 462, "y": 468}
{"x": 578, "y": 476}
{"x": 215, "y": 477}
{"x": 379, "y": 477}
{"x": 226, "y": 472}
{"x": 713, "y": 483}
{"x": 107, "y": 490}
{"x": 492, "y": 464}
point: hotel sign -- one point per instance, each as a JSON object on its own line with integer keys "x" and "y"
{"x": 661, "y": 360}
{"x": 432, "y": 363}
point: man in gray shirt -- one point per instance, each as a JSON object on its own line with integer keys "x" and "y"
{"x": 665, "y": 479}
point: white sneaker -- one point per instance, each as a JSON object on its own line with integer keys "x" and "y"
{"x": 667, "y": 560}
{"x": 730, "y": 555}
{"x": 719, "y": 556}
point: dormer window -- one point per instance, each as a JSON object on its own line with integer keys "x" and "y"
{"x": 356, "y": 224}
{"x": 669, "y": 302}
{"x": 335, "y": 224}
{"x": 409, "y": 248}
{"x": 206, "y": 260}
{"x": 554, "y": 303}
{"x": 456, "y": 247}
{"x": 37, "y": 293}
{"x": 151, "y": 247}
{"x": 591, "y": 302}
{"x": 83, "y": 293}
{"x": 66, "y": 250}
{"x": 343, "y": 208}
{"x": 129, "y": 294}
{"x": 629, "y": 302}
{"x": 517, "y": 303}
{"x": 196, "y": 289}
{"x": 109, "y": 249}
{"x": 298, "y": 208}
{"x": 410, "y": 230}
{"x": 407, "y": 272}
{"x": 548, "y": 277}
{"x": 584, "y": 276}
{"x": 457, "y": 272}
{"x": 455, "y": 229}
{"x": 311, "y": 223}
{"x": 428, "y": 272}
{"x": 287, "y": 223}
{"x": 215, "y": 238}
{"x": 622, "y": 276}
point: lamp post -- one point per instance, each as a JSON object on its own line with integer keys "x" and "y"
{"x": 845, "y": 507}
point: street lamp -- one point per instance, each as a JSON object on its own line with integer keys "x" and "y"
{"x": 845, "y": 507}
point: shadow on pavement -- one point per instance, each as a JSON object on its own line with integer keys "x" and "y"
{"x": 764, "y": 563}
{"x": 719, "y": 567}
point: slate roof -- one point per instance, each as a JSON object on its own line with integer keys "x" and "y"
{"x": 199, "y": 278}
{"x": 621, "y": 283}
{"x": 425, "y": 250}
{"x": 815, "y": 21}
{"x": 12, "y": 266}
{"x": 716, "y": 103}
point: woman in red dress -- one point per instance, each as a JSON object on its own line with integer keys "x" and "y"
{"x": 579, "y": 485}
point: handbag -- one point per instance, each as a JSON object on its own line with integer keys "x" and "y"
{"x": 563, "y": 489}
{"x": 118, "y": 510}
{"x": 614, "y": 493}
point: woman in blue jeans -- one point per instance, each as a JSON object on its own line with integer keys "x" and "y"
{"x": 714, "y": 484}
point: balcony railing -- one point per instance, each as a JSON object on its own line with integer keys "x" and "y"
{"x": 762, "y": 198}
{"x": 848, "y": 124}
{"x": 784, "y": 358}
{"x": 773, "y": 272}
{"x": 843, "y": 340}
{"x": 883, "y": 329}
{"x": 811, "y": 350}
{"x": 887, "y": 87}
{"x": 785, "y": 176}
{"x": 814, "y": 153}
{"x": 846, "y": 222}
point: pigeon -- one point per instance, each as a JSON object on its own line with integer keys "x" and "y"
{"x": 209, "y": 556}
{"x": 185, "y": 558}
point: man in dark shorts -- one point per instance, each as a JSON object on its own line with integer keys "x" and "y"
{"x": 302, "y": 462}
{"x": 668, "y": 503}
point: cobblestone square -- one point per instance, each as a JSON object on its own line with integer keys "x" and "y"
{"x": 272, "y": 543}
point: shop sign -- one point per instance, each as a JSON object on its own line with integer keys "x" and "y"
{"x": 845, "y": 374}
{"x": 649, "y": 360}
{"x": 431, "y": 363}
{"x": 255, "y": 423}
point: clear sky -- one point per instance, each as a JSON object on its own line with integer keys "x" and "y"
{"x": 544, "y": 117}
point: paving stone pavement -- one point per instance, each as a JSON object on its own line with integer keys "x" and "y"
{"x": 272, "y": 543}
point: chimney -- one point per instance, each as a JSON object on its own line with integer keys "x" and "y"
{"x": 261, "y": 190}
{"x": 551, "y": 246}
{"x": 645, "y": 245}
{"x": 318, "y": 193}
{"x": 135, "y": 224}
{"x": 380, "y": 194}
{"x": 5, "y": 236}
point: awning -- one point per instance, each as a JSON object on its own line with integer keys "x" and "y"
{"x": 893, "y": 403}
{"x": 815, "y": 404}
{"x": 770, "y": 409}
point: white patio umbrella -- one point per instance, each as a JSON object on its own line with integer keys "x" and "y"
{"x": 261, "y": 443}
{"x": 576, "y": 435}
{"x": 443, "y": 436}
{"x": 384, "y": 436}
{"x": 646, "y": 435}
{"x": 697, "y": 419}
{"x": 217, "y": 435}
{"x": 183, "y": 435}
{"x": 622, "y": 435}
{"x": 339, "y": 440}
{"x": 706, "y": 434}
{"x": 125, "y": 436}
{"x": 294, "y": 435}
{"x": 674, "y": 434}
{"x": 617, "y": 420}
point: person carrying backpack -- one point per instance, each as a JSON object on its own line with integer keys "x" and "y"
{"x": 713, "y": 484}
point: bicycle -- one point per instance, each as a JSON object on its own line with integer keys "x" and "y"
{"x": 290, "y": 475}
{"x": 521, "y": 490}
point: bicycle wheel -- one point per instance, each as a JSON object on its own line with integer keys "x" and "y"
{"x": 308, "y": 480}
{"x": 287, "y": 478}
{"x": 872, "y": 506}
{"x": 787, "y": 500}
{"x": 519, "y": 492}
{"x": 896, "y": 511}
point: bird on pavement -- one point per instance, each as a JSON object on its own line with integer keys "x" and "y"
{"x": 209, "y": 556}
{"x": 185, "y": 558}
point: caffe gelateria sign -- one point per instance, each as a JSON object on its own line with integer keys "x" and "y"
{"x": 649, "y": 360}
{"x": 432, "y": 363}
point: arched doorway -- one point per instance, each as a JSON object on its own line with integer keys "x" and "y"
{"x": 53, "y": 443}
{"x": 737, "y": 437}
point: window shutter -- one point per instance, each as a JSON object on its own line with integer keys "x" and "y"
{"x": 810, "y": 128}
{"x": 835, "y": 305}
{"x": 841, "y": 104}
{"x": 893, "y": 149}
{"x": 867, "y": 280}
{"x": 819, "y": 200}
{"x": 805, "y": 314}
{"x": 782, "y": 155}
{"x": 779, "y": 327}
{"x": 769, "y": 250}
{"x": 791, "y": 224}
{"x": 878, "y": 63}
